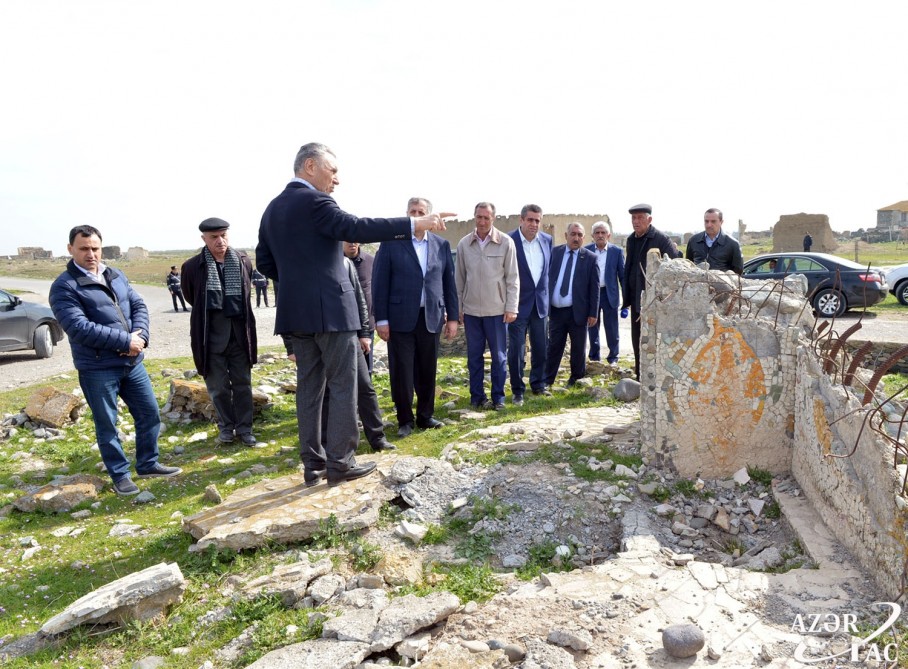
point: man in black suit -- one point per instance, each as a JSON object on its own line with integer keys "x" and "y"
{"x": 414, "y": 297}
{"x": 300, "y": 245}
{"x": 534, "y": 253}
{"x": 574, "y": 295}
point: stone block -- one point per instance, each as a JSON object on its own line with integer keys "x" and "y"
{"x": 49, "y": 406}
{"x": 62, "y": 495}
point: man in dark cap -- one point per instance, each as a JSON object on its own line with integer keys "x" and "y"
{"x": 645, "y": 237}
{"x": 176, "y": 290}
{"x": 222, "y": 328}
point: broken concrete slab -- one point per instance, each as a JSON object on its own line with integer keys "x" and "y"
{"x": 358, "y": 625}
{"x": 142, "y": 595}
{"x": 285, "y": 510}
{"x": 409, "y": 614}
{"x": 455, "y": 656}
{"x": 317, "y": 654}
{"x": 288, "y": 581}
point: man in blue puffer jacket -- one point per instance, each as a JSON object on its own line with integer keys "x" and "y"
{"x": 106, "y": 322}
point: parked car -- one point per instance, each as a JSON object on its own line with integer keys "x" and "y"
{"x": 27, "y": 326}
{"x": 897, "y": 278}
{"x": 854, "y": 288}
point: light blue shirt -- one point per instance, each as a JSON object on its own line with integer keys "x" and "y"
{"x": 535, "y": 260}
{"x": 601, "y": 255}
{"x": 96, "y": 277}
{"x": 567, "y": 300}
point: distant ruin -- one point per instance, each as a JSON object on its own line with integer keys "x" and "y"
{"x": 110, "y": 253}
{"x": 33, "y": 253}
{"x": 136, "y": 253}
{"x": 788, "y": 233}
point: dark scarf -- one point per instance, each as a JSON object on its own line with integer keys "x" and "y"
{"x": 229, "y": 295}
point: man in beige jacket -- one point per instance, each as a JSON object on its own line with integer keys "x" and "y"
{"x": 488, "y": 286}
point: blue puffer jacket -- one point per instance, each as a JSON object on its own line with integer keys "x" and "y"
{"x": 98, "y": 319}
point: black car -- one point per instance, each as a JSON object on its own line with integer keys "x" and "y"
{"x": 834, "y": 284}
{"x": 26, "y": 325}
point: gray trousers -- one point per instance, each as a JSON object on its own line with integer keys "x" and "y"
{"x": 229, "y": 383}
{"x": 326, "y": 359}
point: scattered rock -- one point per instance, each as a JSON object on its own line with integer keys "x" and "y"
{"x": 685, "y": 640}
{"x": 627, "y": 390}
{"x": 62, "y": 494}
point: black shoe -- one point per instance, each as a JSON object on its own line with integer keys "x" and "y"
{"x": 159, "y": 471}
{"x": 405, "y": 430}
{"x": 383, "y": 445}
{"x": 431, "y": 424}
{"x": 543, "y": 390}
{"x": 248, "y": 439}
{"x": 498, "y": 406}
{"x": 225, "y": 436}
{"x": 517, "y": 400}
{"x": 571, "y": 382}
{"x": 483, "y": 405}
{"x": 312, "y": 477}
{"x": 351, "y": 474}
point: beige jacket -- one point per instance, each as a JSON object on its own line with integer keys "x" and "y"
{"x": 488, "y": 283}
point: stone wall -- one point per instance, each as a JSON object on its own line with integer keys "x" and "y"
{"x": 718, "y": 369}
{"x": 788, "y": 233}
{"x": 136, "y": 253}
{"x": 33, "y": 253}
{"x": 730, "y": 377}
{"x": 553, "y": 224}
{"x": 858, "y": 497}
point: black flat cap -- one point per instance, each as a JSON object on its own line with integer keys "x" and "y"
{"x": 640, "y": 208}
{"x": 212, "y": 224}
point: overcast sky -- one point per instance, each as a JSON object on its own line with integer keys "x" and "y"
{"x": 144, "y": 119}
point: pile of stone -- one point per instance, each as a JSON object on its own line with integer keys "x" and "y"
{"x": 189, "y": 401}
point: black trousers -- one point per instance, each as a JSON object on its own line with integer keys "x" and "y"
{"x": 412, "y": 364}
{"x": 562, "y": 326}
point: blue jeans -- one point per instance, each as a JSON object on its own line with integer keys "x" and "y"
{"x": 517, "y": 342}
{"x": 479, "y": 330}
{"x": 609, "y": 323}
{"x": 101, "y": 388}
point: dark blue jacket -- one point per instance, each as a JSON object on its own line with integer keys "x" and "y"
{"x": 300, "y": 246}
{"x": 533, "y": 295}
{"x": 397, "y": 283}
{"x": 98, "y": 317}
{"x": 584, "y": 289}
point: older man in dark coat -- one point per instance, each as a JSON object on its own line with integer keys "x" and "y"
{"x": 222, "y": 333}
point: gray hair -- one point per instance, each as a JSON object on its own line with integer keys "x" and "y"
{"x": 527, "y": 208}
{"x": 575, "y": 224}
{"x": 485, "y": 205}
{"x": 417, "y": 200}
{"x": 307, "y": 151}
{"x": 601, "y": 224}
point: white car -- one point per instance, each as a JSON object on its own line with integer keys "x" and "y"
{"x": 897, "y": 278}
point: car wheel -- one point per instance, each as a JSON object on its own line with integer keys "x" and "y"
{"x": 901, "y": 292}
{"x": 44, "y": 343}
{"x": 829, "y": 303}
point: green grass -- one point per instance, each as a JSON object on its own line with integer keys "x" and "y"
{"x": 761, "y": 476}
{"x": 577, "y": 454}
{"x": 543, "y": 558}
{"x": 66, "y": 568}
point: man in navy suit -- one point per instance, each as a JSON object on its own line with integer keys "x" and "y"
{"x": 610, "y": 259}
{"x": 300, "y": 245}
{"x": 414, "y": 298}
{"x": 534, "y": 253}
{"x": 574, "y": 295}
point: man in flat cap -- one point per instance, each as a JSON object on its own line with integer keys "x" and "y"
{"x": 222, "y": 328}
{"x": 645, "y": 237}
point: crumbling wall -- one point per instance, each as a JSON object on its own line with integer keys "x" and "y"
{"x": 788, "y": 233}
{"x": 718, "y": 370}
{"x": 732, "y": 374}
{"x": 859, "y": 496}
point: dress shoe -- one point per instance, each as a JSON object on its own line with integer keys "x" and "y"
{"x": 226, "y": 436}
{"x": 517, "y": 400}
{"x": 405, "y": 430}
{"x": 336, "y": 478}
{"x": 498, "y": 406}
{"x": 248, "y": 439}
{"x": 483, "y": 405}
{"x": 543, "y": 390}
{"x": 312, "y": 477}
{"x": 383, "y": 445}
{"x": 571, "y": 382}
{"x": 159, "y": 471}
{"x": 430, "y": 424}
{"x": 125, "y": 486}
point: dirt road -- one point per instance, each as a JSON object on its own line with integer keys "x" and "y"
{"x": 170, "y": 333}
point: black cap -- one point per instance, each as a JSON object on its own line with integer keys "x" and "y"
{"x": 640, "y": 208}
{"x": 212, "y": 224}
{"x": 173, "y": 267}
